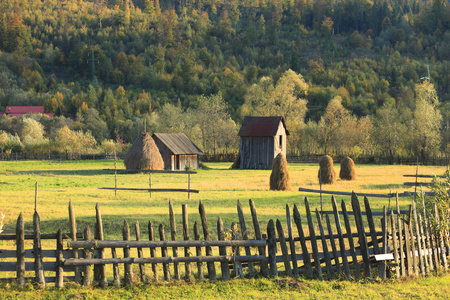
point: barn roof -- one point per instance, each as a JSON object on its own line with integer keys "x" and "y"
{"x": 261, "y": 126}
{"x": 18, "y": 111}
{"x": 178, "y": 143}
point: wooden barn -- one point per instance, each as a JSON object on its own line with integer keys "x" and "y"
{"x": 177, "y": 151}
{"x": 262, "y": 138}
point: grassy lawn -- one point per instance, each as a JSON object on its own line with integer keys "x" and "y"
{"x": 220, "y": 188}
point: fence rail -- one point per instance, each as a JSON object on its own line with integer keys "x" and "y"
{"x": 333, "y": 244}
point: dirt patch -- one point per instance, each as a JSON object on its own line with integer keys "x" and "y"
{"x": 292, "y": 284}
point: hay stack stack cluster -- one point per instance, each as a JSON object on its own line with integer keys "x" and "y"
{"x": 347, "y": 169}
{"x": 327, "y": 174}
{"x": 279, "y": 178}
{"x": 143, "y": 154}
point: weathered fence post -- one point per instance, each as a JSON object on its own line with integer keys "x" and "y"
{"x": 272, "y": 245}
{"x": 211, "y": 267}
{"x": 59, "y": 282}
{"x": 395, "y": 245}
{"x": 350, "y": 241}
{"x": 402, "y": 254}
{"x": 20, "y": 251}
{"x": 140, "y": 253}
{"x": 99, "y": 270}
{"x": 384, "y": 229}
{"x": 237, "y": 265}
{"x": 440, "y": 243}
{"x": 128, "y": 278}
{"x": 198, "y": 251}
{"x": 418, "y": 239}
{"x": 244, "y": 234}
{"x": 223, "y": 250}
{"x": 427, "y": 236}
{"x": 162, "y": 237}
{"x": 330, "y": 272}
{"x": 291, "y": 242}
{"x": 312, "y": 234}
{"x": 187, "y": 251}
{"x": 413, "y": 242}
{"x": 409, "y": 262}
{"x": 87, "y": 255}
{"x": 173, "y": 235}
{"x": 306, "y": 257}
{"x": 38, "y": 267}
{"x": 333, "y": 246}
{"x": 284, "y": 249}
{"x": 151, "y": 237}
{"x": 341, "y": 238}
{"x": 373, "y": 235}
{"x": 258, "y": 236}
{"x": 73, "y": 233}
{"x": 362, "y": 236}
{"x": 424, "y": 245}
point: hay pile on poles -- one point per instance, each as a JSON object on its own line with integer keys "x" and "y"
{"x": 143, "y": 154}
{"x": 279, "y": 178}
{"x": 347, "y": 171}
{"x": 327, "y": 174}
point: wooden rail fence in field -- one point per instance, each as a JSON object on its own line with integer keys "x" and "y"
{"x": 316, "y": 244}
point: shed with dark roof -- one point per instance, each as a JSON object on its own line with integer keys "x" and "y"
{"x": 177, "y": 151}
{"x": 262, "y": 139}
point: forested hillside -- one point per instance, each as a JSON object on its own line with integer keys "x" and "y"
{"x": 347, "y": 75}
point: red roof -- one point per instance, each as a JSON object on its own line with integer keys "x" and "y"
{"x": 19, "y": 111}
{"x": 261, "y": 126}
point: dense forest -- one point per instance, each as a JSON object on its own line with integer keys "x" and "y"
{"x": 348, "y": 76}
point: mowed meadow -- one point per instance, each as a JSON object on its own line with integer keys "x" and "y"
{"x": 220, "y": 189}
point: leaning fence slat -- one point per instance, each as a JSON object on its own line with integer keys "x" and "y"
{"x": 73, "y": 235}
{"x": 330, "y": 272}
{"x": 350, "y": 241}
{"x": 151, "y": 237}
{"x": 272, "y": 248}
{"x": 376, "y": 247}
{"x": 383, "y": 250}
{"x": 312, "y": 234}
{"x": 187, "y": 251}
{"x": 258, "y": 236}
{"x": 333, "y": 246}
{"x": 99, "y": 271}
{"x": 305, "y": 253}
{"x": 87, "y": 255}
{"x": 173, "y": 235}
{"x": 424, "y": 245}
{"x": 362, "y": 236}
{"x": 116, "y": 272}
{"x": 59, "y": 283}
{"x": 20, "y": 251}
{"x": 395, "y": 244}
{"x": 441, "y": 245}
{"x": 162, "y": 237}
{"x": 198, "y": 251}
{"x": 128, "y": 278}
{"x": 237, "y": 265}
{"x": 409, "y": 262}
{"x": 291, "y": 242}
{"x": 401, "y": 241}
{"x": 210, "y": 265}
{"x": 418, "y": 239}
{"x": 341, "y": 238}
{"x": 427, "y": 241}
{"x": 413, "y": 242}
{"x": 223, "y": 250}
{"x": 38, "y": 268}
{"x": 140, "y": 253}
{"x": 284, "y": 249}
{"x": 244, "y": 234}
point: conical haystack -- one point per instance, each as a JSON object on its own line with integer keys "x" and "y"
{"x": 143, "y": 153}
{"x": 347, "y": 171}
{"x": 279, "y": 178}
{"x": 326, "y": 175}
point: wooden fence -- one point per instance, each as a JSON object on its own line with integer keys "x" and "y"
{"x": 318, "y": 246}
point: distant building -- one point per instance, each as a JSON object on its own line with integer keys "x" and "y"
{"x": 262, "y": 138}
{"x": 19, "y": 111}
{"x": 177, "y": 151}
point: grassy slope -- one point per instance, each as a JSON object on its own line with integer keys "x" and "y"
{"x": 220, "y": 188}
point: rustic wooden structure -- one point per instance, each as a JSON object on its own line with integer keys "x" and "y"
{"x": 400, "y": 245}
{"x": 177, "y": 151}
{"x": 262, "y": 138}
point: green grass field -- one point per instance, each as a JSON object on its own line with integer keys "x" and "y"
{"x": 220, "y": 188}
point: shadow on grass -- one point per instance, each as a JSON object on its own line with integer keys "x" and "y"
{"x": 384, "y": 186}
{"x": 65, "y": 172}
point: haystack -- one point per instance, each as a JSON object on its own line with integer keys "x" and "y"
{"x": 142, "y": 153}
{"x": 326, "y": 175}
{"x": 279, "y": 178}
{"x": 347, "y": 171}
